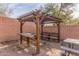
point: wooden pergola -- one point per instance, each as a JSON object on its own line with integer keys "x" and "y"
{"x": 39, "y": 18}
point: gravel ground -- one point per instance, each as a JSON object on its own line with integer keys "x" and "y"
{"x": 12, "y": 48}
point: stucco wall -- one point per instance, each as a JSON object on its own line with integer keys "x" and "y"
{"x": 66, "y": 31}
{"x": 10, "y": 27}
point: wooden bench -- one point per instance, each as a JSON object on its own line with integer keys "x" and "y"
{"x": 50, "y": 36}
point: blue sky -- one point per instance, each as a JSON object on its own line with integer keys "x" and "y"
{"x": 21, "y": 8}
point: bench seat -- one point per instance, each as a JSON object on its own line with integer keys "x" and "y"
{"x": 70, "y": 50}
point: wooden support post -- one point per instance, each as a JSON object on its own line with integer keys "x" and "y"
{"x": 28, "y": 41}
{"x": 41, "y": 31}
{"x": 21, "y": 30}
{"x": 58, "y": 26}
{"x": 37, "y": 35}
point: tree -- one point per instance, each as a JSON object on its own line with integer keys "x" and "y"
{"x": 3, "y": 9}
{"x": 61, "y": 10}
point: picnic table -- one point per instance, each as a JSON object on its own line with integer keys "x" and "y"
{"x": 29, "y": 36}
{"x": 71, "y": 43}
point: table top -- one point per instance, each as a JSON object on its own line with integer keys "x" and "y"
{"x": 72, "y": 41}
{"x": 31, "y": 35}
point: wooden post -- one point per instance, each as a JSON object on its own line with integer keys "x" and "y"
{"x": 37, "y": 35}
{"x": 41, "y": 31}
{"x": 28, "y": 41}
{"x": 21, "y": 30}
{"x": 58, "y": 26}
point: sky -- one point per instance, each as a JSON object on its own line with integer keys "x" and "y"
{"x": 76, "y": 11}
{"x": 22, "y": 8}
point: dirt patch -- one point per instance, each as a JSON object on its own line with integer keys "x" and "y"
{"x": 12, "y": 48}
